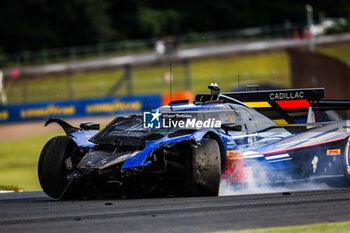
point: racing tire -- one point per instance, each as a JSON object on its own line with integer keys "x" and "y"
{"x": 52, "y": 169}
{"x": 205, "y": 169}
{"x": 347, "y": 160}
{"x": 345, "y": 180}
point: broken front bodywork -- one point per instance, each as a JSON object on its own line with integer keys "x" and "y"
{"x": 137, "y": 157}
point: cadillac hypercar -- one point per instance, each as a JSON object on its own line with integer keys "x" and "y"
{"x": 187, "y": 149}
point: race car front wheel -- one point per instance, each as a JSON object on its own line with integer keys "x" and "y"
{"x": 205, "y": 172}
{"x": 347, "y": 160}
{"x": 52, "y": 168}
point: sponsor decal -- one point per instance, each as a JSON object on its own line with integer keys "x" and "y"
{"x": 314, "y": 163}
{"x": 78, "y": 108}
{"x": 4, "y": 115}
{"x": 50, "y": 110}
{"x": 234, "y": 169}
{"x": 230, "y": 145}
{"x": 156, "y": 120}
{"x": 334, "y": 152}
{"x": 287, "y": 95}
{"x": 234, "y": 155}
{"x": 113, "y": 107}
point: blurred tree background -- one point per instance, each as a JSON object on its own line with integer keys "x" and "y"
{"x": 40, "y": 24}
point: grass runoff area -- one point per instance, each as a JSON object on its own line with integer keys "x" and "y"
{"x": 341, "y": 227}
{"x": 19, "y": 161}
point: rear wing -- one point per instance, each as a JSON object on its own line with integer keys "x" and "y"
{"x": 325, "y": 105}
{"x": 287, "y": 106}
{"x": 328, "y": 110}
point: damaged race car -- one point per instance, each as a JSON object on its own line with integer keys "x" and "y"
{"x": 186, "y": 149}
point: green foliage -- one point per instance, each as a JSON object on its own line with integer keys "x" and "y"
{"x": 34, "y": 25}
{"x": 340, "y": 28}
{"x": 157, "y": 22}
{"x": 44, "y": 24}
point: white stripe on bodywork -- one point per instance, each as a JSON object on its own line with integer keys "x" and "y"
{"x": 245, "y": 135}
{"x": 252, "y": 154}
{"x": 279, "y": 160}
{"x": 277, "y": 156}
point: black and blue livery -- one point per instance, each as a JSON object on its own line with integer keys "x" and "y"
{"x": 221, "y": 138}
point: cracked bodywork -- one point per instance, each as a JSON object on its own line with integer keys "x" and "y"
{"x": 131, "y": 159}
{"x": 138, "y": 159}
{"x": 80, "y": 137}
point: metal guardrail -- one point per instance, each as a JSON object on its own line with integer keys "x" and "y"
{"x": 72, "y": 54}
{"x": 181, "y": 55}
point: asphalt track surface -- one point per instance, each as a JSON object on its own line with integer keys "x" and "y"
{"x": 35, "y": 212}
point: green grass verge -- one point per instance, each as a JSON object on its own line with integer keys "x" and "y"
{"x": 252, "y": 68}
{"x": 19, "y": 159}
{"x": 340, "y": 51}
{"x": 341, "y": 227}
{"x": 10, "y": 188}
{"x": 19, "y": 162}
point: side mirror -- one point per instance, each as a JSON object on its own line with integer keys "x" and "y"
{"x": 90, "y": 126}
{"x": 231, "y": 127}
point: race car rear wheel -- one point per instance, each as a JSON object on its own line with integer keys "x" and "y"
{"x": 52, "y": 168}
{"x": 205, "y": 169}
